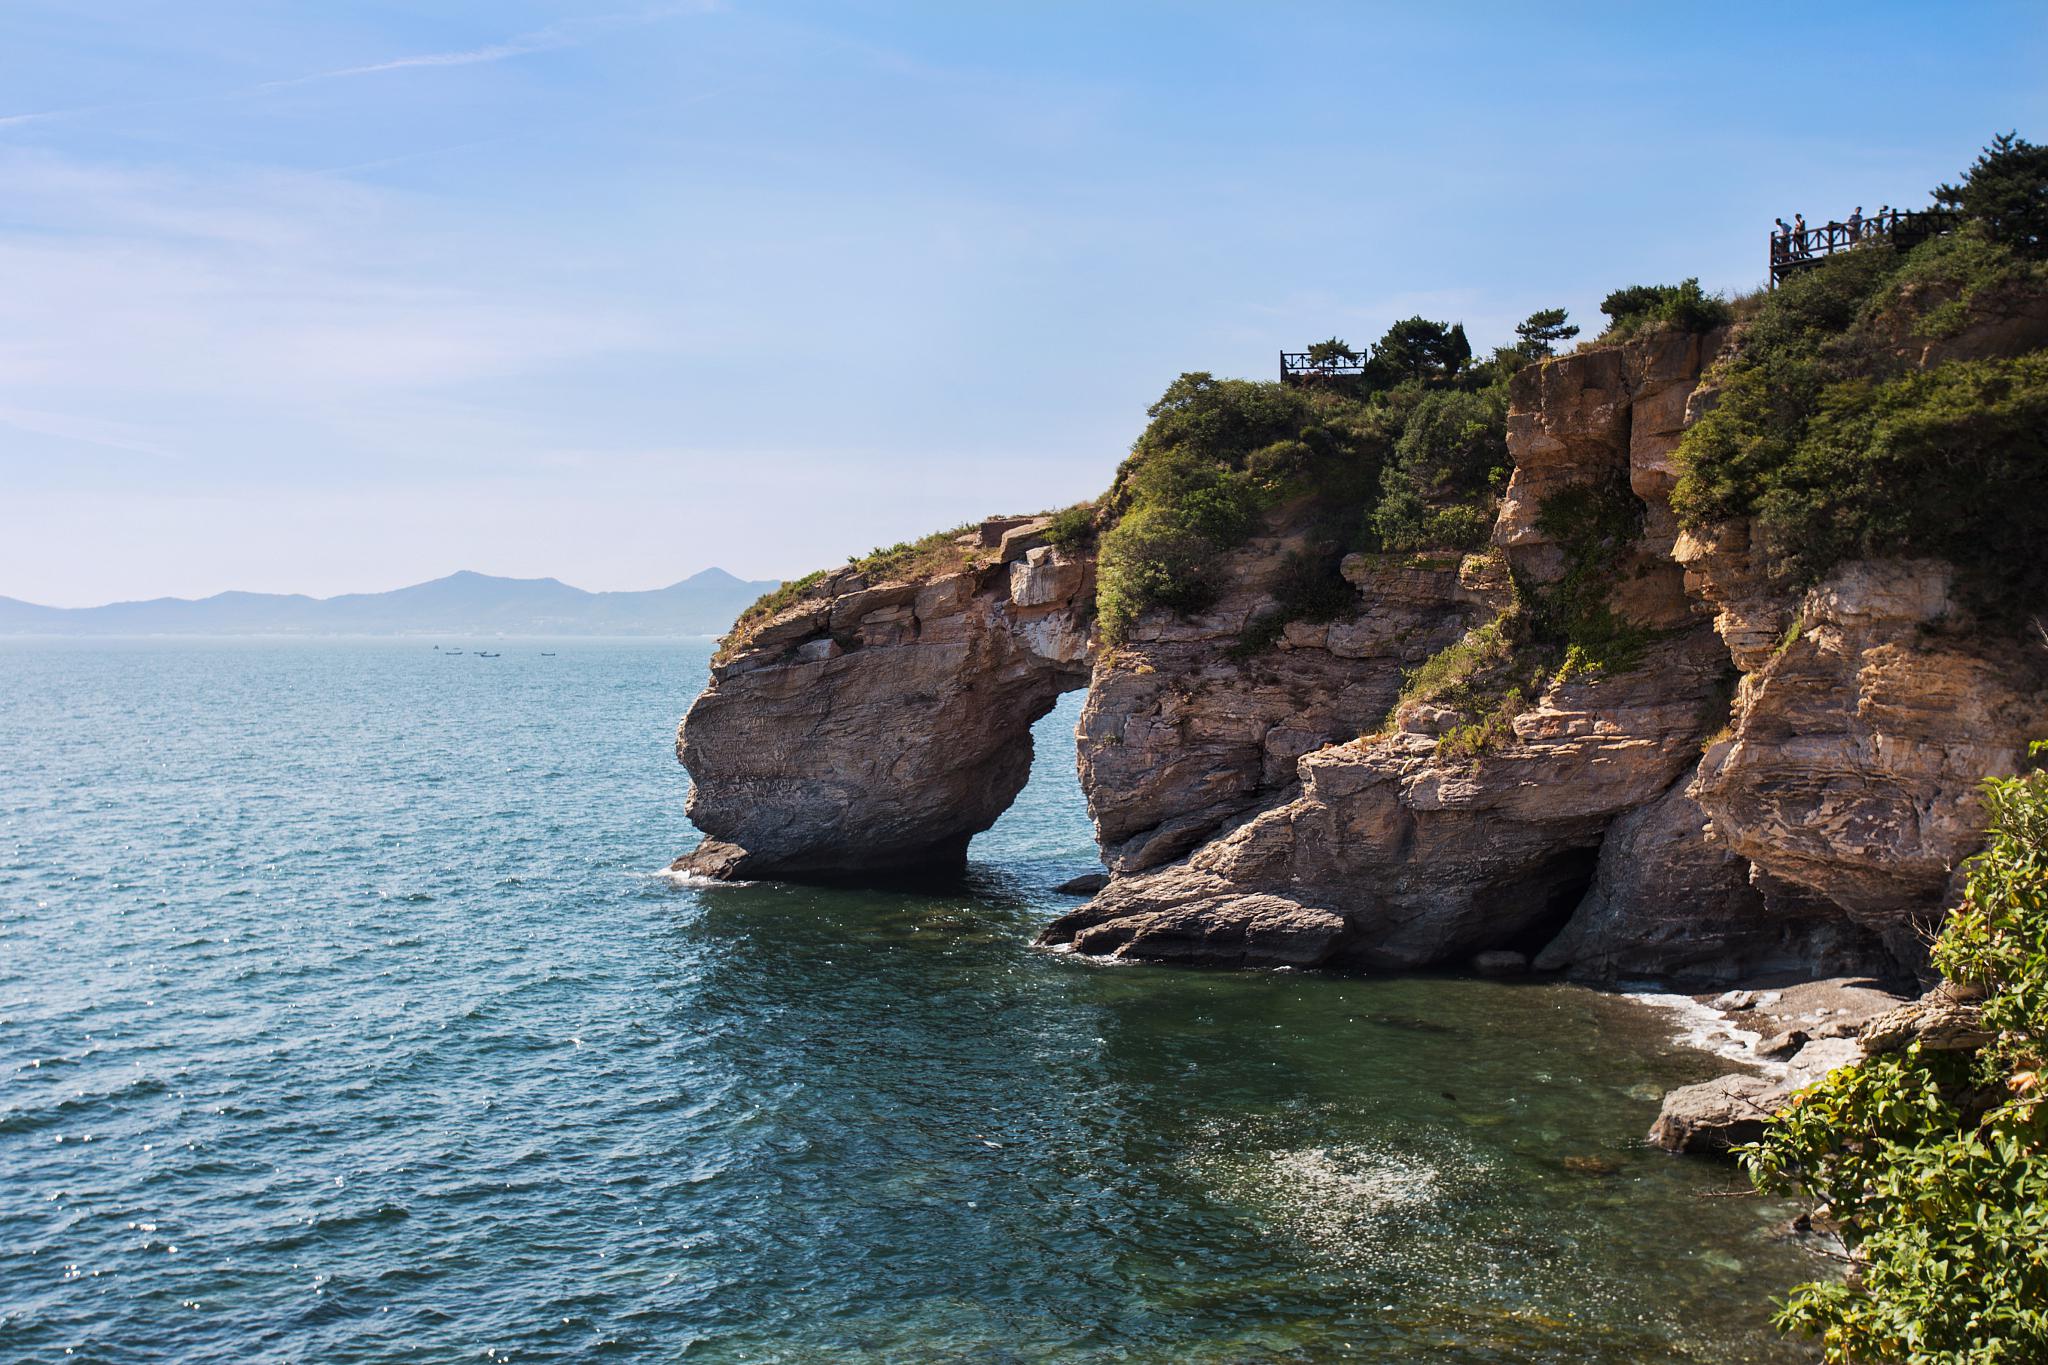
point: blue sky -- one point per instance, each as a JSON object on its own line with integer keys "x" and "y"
{"x": 340, "y": 297}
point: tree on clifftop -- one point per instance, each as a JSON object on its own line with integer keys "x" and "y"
{"x": 2006, "y": 189}
{"x": 1543, "y": 329}
{"x": 1330, "y": 352}
{"x": 1416, "y": 348}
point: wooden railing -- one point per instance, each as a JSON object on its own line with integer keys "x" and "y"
{"x": 1297, "y": 367}
{"x": 1793, "y": 249}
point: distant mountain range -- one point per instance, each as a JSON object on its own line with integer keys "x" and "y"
{"x": 460, "y": 604}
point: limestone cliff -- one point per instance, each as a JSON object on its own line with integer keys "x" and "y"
{"x": 1772, "y": 782}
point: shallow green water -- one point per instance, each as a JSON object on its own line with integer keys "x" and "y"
{"x": 343, "y": 969}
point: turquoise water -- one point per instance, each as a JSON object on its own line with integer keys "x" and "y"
{"x": 344, "y": 1016}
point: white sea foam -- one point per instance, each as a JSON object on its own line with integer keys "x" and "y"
{"x": 1700, "y": 1025}
{"x": 696, "y": 879}
{"x": 1343, "y": 1201}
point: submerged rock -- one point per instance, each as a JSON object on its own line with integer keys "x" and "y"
{"x": 1718, "y": 1114}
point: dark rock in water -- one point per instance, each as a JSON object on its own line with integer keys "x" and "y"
{"x": 1255, "y": 931}
{"x": 1087, "y": 884}
{"x": 1782, "y": 1045}
{"x": 1592, "y": 1165}
{"x": 1716, "y": 1115}
{"x": 1500, "y": 962}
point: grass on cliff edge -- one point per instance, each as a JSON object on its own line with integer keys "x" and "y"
{"x": 1932, "y": 1165}
{"x": 928, "y": 556}
{"x": 1549, "y": 633}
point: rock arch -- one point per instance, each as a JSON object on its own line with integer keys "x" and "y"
{"x": 878, "y": 723}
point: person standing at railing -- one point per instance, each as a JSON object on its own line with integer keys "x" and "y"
{"x": 1781, "y": 244}
{"x": 1799, "y": 247}
{"x": 1856, "y": 225}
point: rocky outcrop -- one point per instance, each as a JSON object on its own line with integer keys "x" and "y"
{"x": 1182, "y": 734}
{"x": 1416, "y": 861}
{"x": 1795, "y": 1038}
{"x": 1263, "y": 801}
{"x": 1413, "y": 857}
{"x": 874, "y": 727}
{"x": 1669, "y": 904}
{"x": 1857, "y": 744}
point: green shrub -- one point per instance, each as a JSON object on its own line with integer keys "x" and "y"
{"x": 1494, "y": 729}
{"x": 1425, "y": 440}
{"x": 1594, "y": 525}
{"x": 1948, "y": 462}
{"x": 1454, "y": 668}
{"x": 1073, "y": 529}
{"x": 1310, "y": 587}
{"x": 1939, "y": 287}
{"x": 1217, "y": 456}
{"x": 1166, "y": 550}
{"x": 1933, "y": 1165}
{"x": 1457, "y": 527}
{"x": 1684, "y": 305}
{"x": 1450, "y": 459}
{"x": 1824, "y": 434}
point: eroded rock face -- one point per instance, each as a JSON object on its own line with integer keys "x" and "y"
{"x": 1858, "y": 744}
{"x": 877, "y": 727}
{"x": 1180, "y": 737}
{"x": 1411, "y": 858}
{"x": 1669, "y": 904}
{"x": 1414, "y": 861}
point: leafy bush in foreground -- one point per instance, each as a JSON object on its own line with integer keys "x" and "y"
{"x": 1932, "y": 1164}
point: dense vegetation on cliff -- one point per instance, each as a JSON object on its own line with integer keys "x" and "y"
{"x": 1408, "y": 456}
{"x": 1852, "y": 422}
{"x": 1932, "y": 1160}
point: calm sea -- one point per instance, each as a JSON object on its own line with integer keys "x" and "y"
{"x": 345, "y": 1016}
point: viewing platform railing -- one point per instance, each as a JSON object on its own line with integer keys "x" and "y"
{"x": 1296, "y": 367}
{"x": 1793, "y": 250}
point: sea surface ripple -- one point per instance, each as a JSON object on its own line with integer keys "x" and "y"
{"x": 345, "y": 1016}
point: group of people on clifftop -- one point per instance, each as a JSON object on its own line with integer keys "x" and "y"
{"x": 1796, "y": 241}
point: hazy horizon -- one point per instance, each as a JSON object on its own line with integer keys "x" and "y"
{"x": 411, "y": 583}
{"x": 313, "y": 301}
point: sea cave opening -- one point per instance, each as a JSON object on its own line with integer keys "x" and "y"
{"x": 1045, "y": 838}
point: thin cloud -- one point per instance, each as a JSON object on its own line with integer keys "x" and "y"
{"x": 548, "y": 39}
{"x": 87, "y": 430}
{"x": 475, "y": 56}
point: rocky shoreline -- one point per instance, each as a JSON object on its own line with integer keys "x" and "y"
{"x": 1783, "y": 1038}
{"x": 1779, "y": 784}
